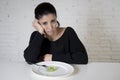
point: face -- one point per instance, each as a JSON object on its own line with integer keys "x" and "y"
{"x": 49, "y": 23}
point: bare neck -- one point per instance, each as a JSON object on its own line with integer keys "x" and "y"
{"x": 57, "y": 34}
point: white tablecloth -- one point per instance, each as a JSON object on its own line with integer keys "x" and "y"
{"x": 91, "y": 71}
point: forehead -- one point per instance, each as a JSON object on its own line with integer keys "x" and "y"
{"x": 47, "y": 17}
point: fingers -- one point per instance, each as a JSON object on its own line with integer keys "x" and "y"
{"x": 37, "y": 26}
{"x": 35, "y": 23}
{"x": 48, "y": 57}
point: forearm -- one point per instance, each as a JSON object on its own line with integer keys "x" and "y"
{"x": 72, "y": 58}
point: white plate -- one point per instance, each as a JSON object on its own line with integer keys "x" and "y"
{"x": 63, "y": 69}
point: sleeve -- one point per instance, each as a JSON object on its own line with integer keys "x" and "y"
{"x": 77, "y": 53}
{"x": 32, "y": 52}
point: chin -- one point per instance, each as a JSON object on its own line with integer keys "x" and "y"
{"x": 50, "y": 34}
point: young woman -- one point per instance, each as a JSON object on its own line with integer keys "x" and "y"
{"x": 50, "y": 42}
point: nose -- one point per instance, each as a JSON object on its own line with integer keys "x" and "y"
{"x": 49, "y": 28}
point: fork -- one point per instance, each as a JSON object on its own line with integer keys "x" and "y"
{"x": 45, "y": 66}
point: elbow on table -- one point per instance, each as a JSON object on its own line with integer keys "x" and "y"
{"x": 85, "y": 61}
{"x": 29, "y": 59}
{"x": 80, "y": 59}
{"x": 85, "y": 58}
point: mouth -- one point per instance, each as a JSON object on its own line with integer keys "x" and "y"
{"x": 49, "y": 32}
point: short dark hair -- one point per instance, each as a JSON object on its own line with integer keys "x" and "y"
{"x": 44, "y": 9}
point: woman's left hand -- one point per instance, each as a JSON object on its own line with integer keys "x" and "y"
{"x": 47, "y": 57}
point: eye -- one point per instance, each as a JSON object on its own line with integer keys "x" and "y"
{"x": 53, "y": 21}
{"x": 44, "y": 23}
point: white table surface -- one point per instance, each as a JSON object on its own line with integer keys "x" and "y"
{"x": 91, "y": 71}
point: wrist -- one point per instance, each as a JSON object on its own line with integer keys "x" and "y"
{"x": 42, "y": 33}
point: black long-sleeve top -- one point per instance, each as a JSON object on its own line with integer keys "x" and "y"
{"x": 68, "y": 48}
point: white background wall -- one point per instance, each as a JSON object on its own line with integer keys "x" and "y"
{"x": 97, "y": 23}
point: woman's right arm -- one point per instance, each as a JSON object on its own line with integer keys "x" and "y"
{"x": 32, "y": 52}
